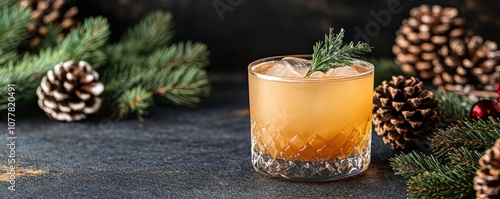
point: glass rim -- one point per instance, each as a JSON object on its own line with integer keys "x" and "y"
{"x": 257, "y": 62}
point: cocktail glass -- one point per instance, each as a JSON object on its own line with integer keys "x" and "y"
{"x": 310, "y": 129}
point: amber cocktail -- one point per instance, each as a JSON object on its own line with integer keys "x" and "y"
{"x": 310, "y": 129}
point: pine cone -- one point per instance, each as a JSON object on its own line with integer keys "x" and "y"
{"x": 48, "y": 12}
{"x": 467, "y": 62}
{"x": 403, "y": 112}
{"x": 70, "y": 91}
{"x": 419, "y": 37}
{"x": 487, "y": 180}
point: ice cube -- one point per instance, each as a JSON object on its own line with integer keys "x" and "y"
{"x": 289, "y": 67}
{"x": 344, "y": 71}
{"x": 319, "y": 74}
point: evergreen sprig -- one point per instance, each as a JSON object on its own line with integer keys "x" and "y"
{"x": 414, "y": 163}
{"x": 449, "y": 171}
{"x": 453, "y": 182}
{"x": 6, "y": 3}
{"x": 51, "y": 38}
{"x": 331, "y": 54}
{"x": 474, "y": 135}
{"x": 87, "y": 42}
{"x": 185, "y": 86}
{"x": 12, "y": 31}
{"x": 180, "y": 54}
{"x": 171, "y": 74}
{"x": 135, "y": 100}
{"x": 152, "y": 33}
{"x": 452, "y": 106}
{"x": 465, "y": 157}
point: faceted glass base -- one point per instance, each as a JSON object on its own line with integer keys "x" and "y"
{"x": 311, "y": 171}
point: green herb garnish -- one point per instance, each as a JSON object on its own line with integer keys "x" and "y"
{"x": 331, "y": 54}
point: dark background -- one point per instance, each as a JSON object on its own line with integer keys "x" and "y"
{"x": 254, "y": 29}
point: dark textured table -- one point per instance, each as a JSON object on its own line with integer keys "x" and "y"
{"x": 176, "y": 153}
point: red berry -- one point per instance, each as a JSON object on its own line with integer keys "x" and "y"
{"x": 485, "y": 108}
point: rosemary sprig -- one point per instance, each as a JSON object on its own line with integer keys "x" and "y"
{"x": 331, "y": 54}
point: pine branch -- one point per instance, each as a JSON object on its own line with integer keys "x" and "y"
{"x": 414, "y": 163}
{"x": 452, "y": 106}
{"x": 85, "y": 43}
{"x": 51, "y": 37}
{"x": 473, "y": 135}
{"x": 180, "y": 79}
{"x": 119, "y": 78}
{"x": 453, "y": 182}
{"x": 179, "y": 86}
{"x": 185, "y": 86}
{"x": 466, "y": 158}
{"x": 6, "y": 3}
{"x": 136, "y": 100}
{"x": 449, "y": 171}
{"x": 181, "y": 54}
{"x": 331, "y": 54}
{"x": 434, "y": 178}
{"x": 6, "y": 57}
{"x": 174, "y": 74}
{"x": 13, "y": 27}
{"x": 154, "y": 32}
{"x": 130, "y": 72}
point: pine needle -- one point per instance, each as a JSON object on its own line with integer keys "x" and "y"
{"x": 13, "y": 27}
{"x": 51, "y": 37}
{"x": 449, "y": 171}
{"x": 180, "y": 54}
{"x": 87, "y": 42}
{"x": 453, "y": 107}
{"x": 185, "y": 87}
{"x": 152, "y": 33}
{"x": 414, "y": 163}
{"x": 474, "y": 135}
{"x": 451, "y": 183}
{"x": 331, "y": 54}
{"x": 136, "y": 100}
{"x": 465, "y": 157}
{"x": 172, "y": 74}
{"x": 6, "y": 3}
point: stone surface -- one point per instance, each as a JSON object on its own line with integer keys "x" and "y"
{"x": 175, "y": 153}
